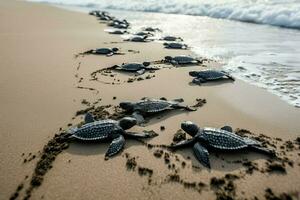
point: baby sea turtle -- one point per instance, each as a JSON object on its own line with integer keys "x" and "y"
{"x": 175, "y": 45}
{"x": 117, "y": 32}
{"x": 143, "y": 33}
{"x": 216, "y": 139}
{"x": 151, "y": 29}
{"x": 138, "y": 39}
{"x": 120, "y": 24}
{"x": 171, "y": 38}
{"x": 182, "y": 60}
{"x": 107, "y": 130}
{"x": 103, "y": 51}
{"x": 148, "y": 106}
{"x": 209, "y": 75}
{"x": 139, "y": 68}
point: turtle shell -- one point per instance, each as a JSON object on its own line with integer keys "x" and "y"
{"x": 211, "y": 74}
{"x": 169, "y": 38}
{"x": 98, "y": 130}
{"x": 221, "y": 139}
{"x": 152, "y": 106}
{"x": 184, "y": 59}
{"x": 137, "y": 39}
{"x": 103, "y": 51}
{"x": 132, "y": 67}
{"x": 174, "y": 45}
{"x": 117, "y": 32}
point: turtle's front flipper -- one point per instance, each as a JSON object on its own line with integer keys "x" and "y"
{"x": 115, "y": 146}
{"x": 230, "y": 77}
{"x": 262, "y": 150}
{"x": 139, "y": 118}
{"x": 227, "y": 128}
{"x": 184, "y": 143}
{"x": 201, "y": 154}
{"x": 139, "y": 135}
{"x": 88, "y": 118}
{"x": 177, "y": 106}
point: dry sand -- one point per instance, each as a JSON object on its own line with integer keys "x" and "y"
{"x": 39, "y": 94}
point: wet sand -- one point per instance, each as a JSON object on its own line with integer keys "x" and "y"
{"x": 39, "y": 94}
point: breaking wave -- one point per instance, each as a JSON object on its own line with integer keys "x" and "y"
{"x": 283, "y": 13}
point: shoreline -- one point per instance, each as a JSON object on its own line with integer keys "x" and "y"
{"x": 47, "y": 86}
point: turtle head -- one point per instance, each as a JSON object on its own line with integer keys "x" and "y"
{"x": 128, "y": 106}
{"x": 127, "y": 122}
{"x": 190, "y": 127}
{"x": 115, "y": 49}
{"x": 146, "y": 64}
{"x": 193, "y": 73}
{"x": 168, "y": 58}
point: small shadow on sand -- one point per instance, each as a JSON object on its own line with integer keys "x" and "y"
{"x": 222, "y": 161}
{"x": 212, "y": 83}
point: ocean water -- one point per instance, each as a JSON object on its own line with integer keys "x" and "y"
{"x": 265, "y": 52}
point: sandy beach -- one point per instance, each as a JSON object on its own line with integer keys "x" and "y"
{"x": 43, "y": 86}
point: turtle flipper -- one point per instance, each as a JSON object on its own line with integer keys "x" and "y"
{"x": 178, "y": 106}
{"x": 88, "y": 118}
{"x": 184, "y": 143}
{"x": 262, "y": 150}
{"x": 227, "y": 128}
{"x": 109, "y": 54}
{"x": 140, "y": 119}
{"x": 141, "y": 71}
{"x": 201, "y": 154}
{"x": 115, "y": 146}
{"x": 139, "y": 135}
{"x": 198, "y": 81}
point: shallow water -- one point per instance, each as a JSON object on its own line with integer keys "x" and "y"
{"x": 263, "y": 55}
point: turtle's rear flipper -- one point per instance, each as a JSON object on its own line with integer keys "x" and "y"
{"x": 139, "y": 135}
{"x": 115, "y": 146}
{"x": 198, "y": 81}
{"x": 141, "y": 71}
{"x": 139, "y": 118}
{"x": 227, "y": 128}
{"x": 201, "y": 154}
{"x": 184, "y": 143}
{"x": 88, "y": 118}
{"x": 262, "y": 150}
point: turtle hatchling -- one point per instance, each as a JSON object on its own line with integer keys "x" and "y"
{"x": 151, "y": 29}
{"x": 107, "y": 130}
{"x": 148, "y": 106}
{"x": 175, "y": 45}
{"x": 104, "y": 51}
{"x": 171, "y": 38}
{"x": 117, "y": 32}
{"x": 139, "y": 68}
{"x": 143, "y": 33}
{"x": 209, "y": 75}
{"x": 138, "y": 39}
{"x": 182, "y": 60}
{"x": 222, "y": 139}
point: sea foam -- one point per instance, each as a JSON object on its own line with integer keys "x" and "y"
{"x": 272, "y": 12}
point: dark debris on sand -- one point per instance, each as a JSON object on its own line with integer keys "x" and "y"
{"x": 269, "y": 195}
{"x": 131, "y": 164}
{"x": 51, "y": 150}
{"x": 199, "y": 103}
{"x": 175, "y": 178}
{"x": 179, "y": 136}
{"x": 224, "y": 188}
